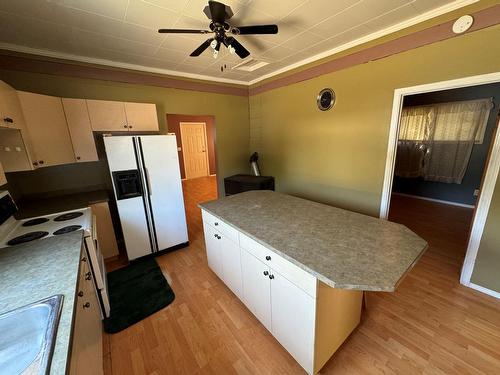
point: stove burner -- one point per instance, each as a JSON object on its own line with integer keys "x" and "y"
{"x": 69, "y": 228}
{"x": 68, "y": 216}
{"x": 31, "y": 236}
{"x": 38, "y": 220}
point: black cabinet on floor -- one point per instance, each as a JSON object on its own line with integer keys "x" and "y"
{"x": 245, "y": 182}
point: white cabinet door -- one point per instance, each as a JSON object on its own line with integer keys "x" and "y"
{"x": 141, "y": 116}
{"x": 47, "y": 128}
{"x": 293, "y": 318}
{"x": 212, "y": 245}
{"x": 106, "y": 115}
{"x": 256, "y": 287}
{"x": 80, "y": 130}
{"x": 231, "y": 264}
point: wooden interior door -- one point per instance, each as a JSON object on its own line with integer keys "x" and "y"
{"x": 194, "y": 149}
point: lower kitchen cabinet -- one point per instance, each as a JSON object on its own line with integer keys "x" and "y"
{"x": 223, "y": 256}
{"x": 292, "y": 312}
{"x": 3, "y": 180}
{"x": 256, "y": 288}
{"x": 86, "y": 350}
{"x": 308, "y": 318}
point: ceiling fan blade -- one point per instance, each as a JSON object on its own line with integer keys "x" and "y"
{"x": 198, "y": 51}
{"x": 258, "y": 29}
{"x": 217, "y": 11}
{"x": 183, "y": 31}
{"x": 241, "y": 51}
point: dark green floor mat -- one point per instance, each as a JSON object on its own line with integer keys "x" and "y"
{"x": 135, "y": 292}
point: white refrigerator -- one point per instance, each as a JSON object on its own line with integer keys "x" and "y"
{"x": 148, "y": 191}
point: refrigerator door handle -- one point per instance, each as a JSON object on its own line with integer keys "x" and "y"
{"x": 148, "y": 183}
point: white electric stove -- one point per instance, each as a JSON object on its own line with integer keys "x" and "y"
{"x": 16, "y": 232}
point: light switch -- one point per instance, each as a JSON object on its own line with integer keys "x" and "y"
{"x": 7, "y": 149}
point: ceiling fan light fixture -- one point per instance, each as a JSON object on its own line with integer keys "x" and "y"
{"x": 231, "y": 49}
{"x": 213, "y": 44}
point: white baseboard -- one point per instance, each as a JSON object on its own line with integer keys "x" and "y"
{"x": 435, "y": 200}
{"x": 484, "y": 290}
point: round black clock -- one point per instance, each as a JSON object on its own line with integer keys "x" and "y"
{"x": 326, "y": 99}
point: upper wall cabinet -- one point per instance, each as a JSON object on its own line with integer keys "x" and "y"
{"x": 141, "y": 116}
{"x": 80, "y": 130}
{"x": 108, "y": 115}
{"x": 11, "y": 115}
{"x": 47, "y": 128}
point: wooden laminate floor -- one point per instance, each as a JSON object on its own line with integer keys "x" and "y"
{"x": 430, "y": 325}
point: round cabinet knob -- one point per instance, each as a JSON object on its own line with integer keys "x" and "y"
{"x": 40, "y": 161}
{"x": 80, "y": 294}
{"x": 88, "y": 276}
{"x": 266, "y": 273}
{"x": 271, "y": 277}
{"x": 78, "y": 158}
{"x": 8, "y": 119}
{"x": 86, "y": 305}
{"x": 130, "y": 126}
{"x": 268, "y": 257}
{"x": 216, "y": 223}
{"x": 215, "y": 235}
{"x": 84, "y": 259}
{"x": 35, "y": 163}
{"x": 125, "y": 126}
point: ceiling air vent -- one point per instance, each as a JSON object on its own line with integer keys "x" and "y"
{"x": 250, "y": 65}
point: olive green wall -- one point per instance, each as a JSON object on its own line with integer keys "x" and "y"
{"x": 231, "y": 112}
{"x": 338, "y": 156}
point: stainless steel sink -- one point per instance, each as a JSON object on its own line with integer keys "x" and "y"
{"x": 27, "y": 337}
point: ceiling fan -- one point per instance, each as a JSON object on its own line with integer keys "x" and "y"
{"x": 219, "y": 14}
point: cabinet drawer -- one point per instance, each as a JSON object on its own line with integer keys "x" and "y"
{"x": 220, "y": 226}
{"x": 290, "y": 271}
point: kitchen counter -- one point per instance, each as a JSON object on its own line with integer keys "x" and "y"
{"x": 343, "y": 249}
{"x": 38, "y": 205}
{"x": 38, "y": 270}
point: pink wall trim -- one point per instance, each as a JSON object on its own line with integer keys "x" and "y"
{"x": 482, "y": 19}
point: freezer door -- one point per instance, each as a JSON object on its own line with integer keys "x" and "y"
{"x": 164, "y": 188}
{"x": 122, "y": 155}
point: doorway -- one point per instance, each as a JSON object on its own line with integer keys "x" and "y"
{"x": 195, "y": 149}
{"x": 432, "y": 213}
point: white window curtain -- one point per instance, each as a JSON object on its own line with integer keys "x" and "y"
{"x": 435, "y": 141}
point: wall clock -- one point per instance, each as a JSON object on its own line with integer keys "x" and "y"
{"x": 325, "y": 99}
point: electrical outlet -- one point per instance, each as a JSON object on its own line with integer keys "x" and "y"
{"x": 476, "y": 192}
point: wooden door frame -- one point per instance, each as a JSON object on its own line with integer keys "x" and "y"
{"x": 490, "y": 174}
{"x": 206, "y": 145}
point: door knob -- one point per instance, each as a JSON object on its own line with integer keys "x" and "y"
{"x": 80, "y": 294}
{"x": 86, "y": 305}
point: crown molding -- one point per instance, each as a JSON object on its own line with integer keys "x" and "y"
{"x": 174, "y": 73}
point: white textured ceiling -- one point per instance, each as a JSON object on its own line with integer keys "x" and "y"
{"x": 125, "y": 31}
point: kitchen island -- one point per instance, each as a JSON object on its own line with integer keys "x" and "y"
{"x": 301, "y": 267}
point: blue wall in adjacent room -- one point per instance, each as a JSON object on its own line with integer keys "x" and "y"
{"x": 464, "y": 192}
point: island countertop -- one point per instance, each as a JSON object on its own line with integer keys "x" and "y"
{"x": 40, "y": 269}
{"x": 341, "y": 248}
